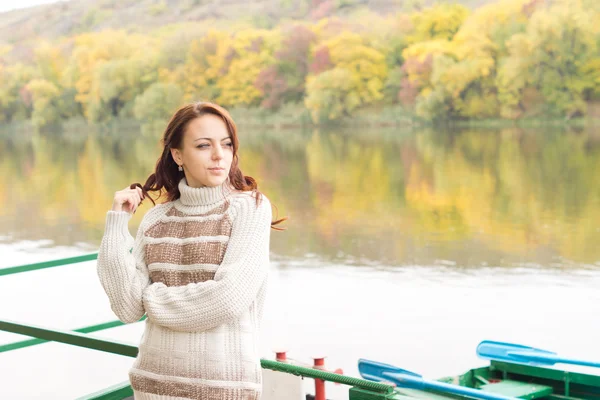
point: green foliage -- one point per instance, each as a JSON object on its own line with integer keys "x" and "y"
{"x": 357, "y": 78}
{"x": 394, "y": 55}
{"x": 158, "y": 102}
{"x": 46, "y": 104}
{"x": 94, "y": 17}
{"x": 117, "y": 83}
{"x": 158, "y": 8}
{"x": 553, "y": 56}
{"x": 345, "y": 3}
{"x": 392, "y": 85}
{"x": 208, "y": 58}
{"x": 14, "y": 101}
{"x": 332, "y": 94}
{"x": 511, "y": 59}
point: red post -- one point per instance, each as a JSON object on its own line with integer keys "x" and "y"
{"x": 319, "y": 363}
{"x": 280, "y": 356}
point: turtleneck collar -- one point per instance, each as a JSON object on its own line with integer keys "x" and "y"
{"x": 203, "y": 196}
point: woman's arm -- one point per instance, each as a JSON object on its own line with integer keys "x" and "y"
{"x": 122, "y": 270}
{"x": 206, "y": 305}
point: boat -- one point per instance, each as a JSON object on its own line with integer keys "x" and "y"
{"x": 514, "y": 371}
{"x": 501, "y": 379}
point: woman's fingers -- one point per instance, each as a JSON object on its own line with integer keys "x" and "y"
{"x": 128, "y": 199}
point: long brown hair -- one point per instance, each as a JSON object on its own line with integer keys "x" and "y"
{"x": 166, "y": 176}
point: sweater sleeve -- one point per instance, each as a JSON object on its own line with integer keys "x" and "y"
{"x": 206, "y": 305}
{"x": 121, "y": 267}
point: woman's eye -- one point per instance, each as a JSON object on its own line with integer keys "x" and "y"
{"x": 202, "y": 146}
{"x": 229, "y": 144}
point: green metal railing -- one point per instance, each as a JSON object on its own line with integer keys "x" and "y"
{"x": 6, "y": 325}
{"x": 361, "y": 389}
{"x": 48, "y": 264}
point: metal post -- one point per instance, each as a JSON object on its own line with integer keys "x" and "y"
{"x": 319, "y": 363}
{"x": 281, "y": 356}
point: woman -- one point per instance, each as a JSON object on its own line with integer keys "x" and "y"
{"x": 197, "y": 267}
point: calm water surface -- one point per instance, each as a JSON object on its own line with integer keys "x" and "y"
{"x": 403, "y": 247}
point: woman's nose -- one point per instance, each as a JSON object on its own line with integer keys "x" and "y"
{"x": 217, "y": 153}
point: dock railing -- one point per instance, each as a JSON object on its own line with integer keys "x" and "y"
{"x": 359, "y": 388}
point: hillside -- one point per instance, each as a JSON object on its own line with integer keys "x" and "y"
{"x": 22, "y": 27}
{"x": 511, "y": 59}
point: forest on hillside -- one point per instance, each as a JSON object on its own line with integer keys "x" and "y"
{"x": 509, "y": 59}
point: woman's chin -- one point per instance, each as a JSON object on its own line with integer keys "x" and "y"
{"x": 212, "y": 181}
{"x": 215, "y": 181}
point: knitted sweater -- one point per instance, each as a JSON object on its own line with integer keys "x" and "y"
{"x": 198, "y": 269}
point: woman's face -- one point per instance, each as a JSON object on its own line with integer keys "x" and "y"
{"x": 206, "y": 153}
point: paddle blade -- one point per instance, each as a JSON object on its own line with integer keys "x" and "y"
{"x": 501, "y": 351}
{"x": 376, "y": 371}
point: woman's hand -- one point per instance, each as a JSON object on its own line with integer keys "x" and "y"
{"x": 128, "y": 199}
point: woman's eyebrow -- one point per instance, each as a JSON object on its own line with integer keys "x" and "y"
{"x": 209, "y": 139}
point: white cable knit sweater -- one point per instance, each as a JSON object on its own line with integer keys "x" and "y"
{"x": 198, "y": 269}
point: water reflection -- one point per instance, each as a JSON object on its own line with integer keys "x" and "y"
{"x": 460, "y": 198}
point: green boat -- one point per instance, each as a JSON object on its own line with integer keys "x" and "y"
{"x": 513, "y": 380}
{"x": 530, "y": 382}
{"x": 510, "y": 373}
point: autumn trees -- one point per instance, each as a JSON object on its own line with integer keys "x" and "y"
{"x": 511, "y": 59}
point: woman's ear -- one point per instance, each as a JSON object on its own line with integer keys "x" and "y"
{"x": 176, "y": 154}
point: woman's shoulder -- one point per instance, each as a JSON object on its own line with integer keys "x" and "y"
{"x": 246, "y": 204}
{"x": 155, "y": 213}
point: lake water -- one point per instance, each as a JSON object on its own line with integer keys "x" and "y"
{"x": 408, "y": 247}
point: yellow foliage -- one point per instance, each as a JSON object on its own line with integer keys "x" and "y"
{"x": 420, "y": 58}
{"x": 252, "y": 51}
{"x": 367, "y": 65}
{"x": 332, "y": 94}
{"x": 237, "y": 87}
{"x": 422, "y": 50}
{"x": 326, "y": 28}
{"x": 251, "y": 41}
{"x": 439, "y": 22}
{"x": 552, "y": 56}
{"x": 50, "y": 61}
{"x": 5, "y": 49}
{"x": 44, "y": 95}
{"x": 222, "y": 67}
{"x": 206, "y": 62}
{"x": 486, "y": 18}
{"x": 488, "y": 52}
{"x": 12, "y": 79}
{"x": 477, "y": 52}
{"x": 92, "y": 50}
{"x": 511, "y": 79}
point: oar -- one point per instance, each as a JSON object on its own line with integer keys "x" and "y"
{"x": 379, "y": 372}
{"x": 524, "y": 354}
